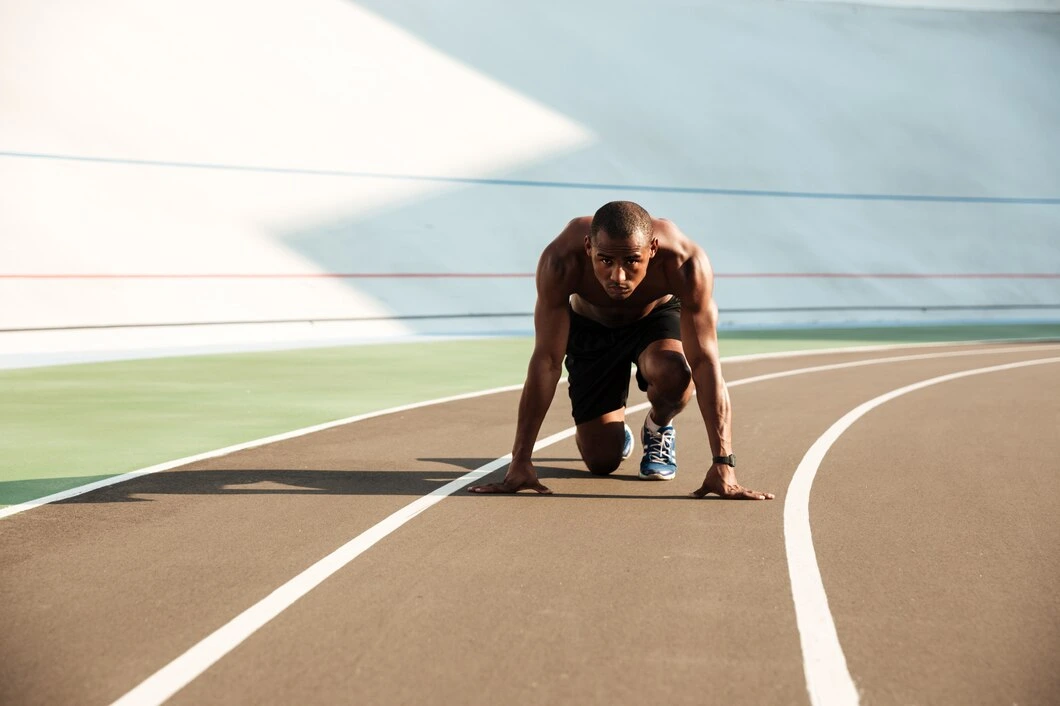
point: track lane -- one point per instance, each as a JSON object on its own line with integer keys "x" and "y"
{"x": 943, "y": 581}
{"x": 468, "y": 564}
{"x": 207, "y": 531}
{"x": 145, "y": 568}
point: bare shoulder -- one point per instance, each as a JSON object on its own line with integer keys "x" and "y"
{"x": 686, "y": 264}
{"x": 562, "y": 262}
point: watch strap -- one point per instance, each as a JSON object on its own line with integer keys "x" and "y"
{"x": 729, "y": 460}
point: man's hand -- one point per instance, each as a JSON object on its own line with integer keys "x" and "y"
{"x": 721, "y": 480}
{"x": 520, "y": 476}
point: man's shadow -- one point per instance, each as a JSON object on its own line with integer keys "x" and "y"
{"x": 542, "y": 465}
{"x": 283, "y": 481}
{"x": 270, "y": 482}
{"x": 547, "y": 472}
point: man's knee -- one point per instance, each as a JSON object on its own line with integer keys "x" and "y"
{"x": 602, "y": 465}
{"x": 668, "y": 372}
{"x": 601, "y": 446}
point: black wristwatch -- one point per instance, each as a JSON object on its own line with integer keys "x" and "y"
{"x": 729, "y": 460}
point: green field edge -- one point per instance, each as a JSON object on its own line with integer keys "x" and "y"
{"x": 62, "y": 427}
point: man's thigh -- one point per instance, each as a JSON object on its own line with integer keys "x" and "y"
{"x": 597, "y": 387}
{"x": 659, "y": 348}
{"x": 598, "y": 364}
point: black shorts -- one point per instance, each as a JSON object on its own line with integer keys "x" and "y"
{"x": 599, "y": 358}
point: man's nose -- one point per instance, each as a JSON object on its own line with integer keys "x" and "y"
{"x": 618, "y": 274}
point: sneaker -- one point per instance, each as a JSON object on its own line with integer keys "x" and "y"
{"x": 660, "y": 453}
{"x": 627, "y": 445}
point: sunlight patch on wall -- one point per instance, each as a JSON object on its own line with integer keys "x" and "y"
{"x": 322, "y": 84}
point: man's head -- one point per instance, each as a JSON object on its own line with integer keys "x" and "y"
{"x": 620, "y": 244}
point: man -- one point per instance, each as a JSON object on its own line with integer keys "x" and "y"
{"x": 612, "y": 290}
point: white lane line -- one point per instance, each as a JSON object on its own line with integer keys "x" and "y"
{"x": 82, "y": 489}
{"x": 185, "y": 668}
{"x": 892, "y": 359}
{"x": 881, "y": 347}
{"x": 181, "y": 671}
{"x": 827, "y": 679}
{"x": 113, "y": 480}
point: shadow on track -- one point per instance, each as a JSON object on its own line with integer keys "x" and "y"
{"x": 543, "y": 471}
{"x": 547, "y": 473}
{"x": 270, "y": 482}
{"x": 236, "y": 482}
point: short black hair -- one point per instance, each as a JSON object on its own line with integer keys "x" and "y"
{"x": 624, "y": 220}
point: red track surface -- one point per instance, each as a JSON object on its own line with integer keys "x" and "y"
{"x": 933, "y": 521}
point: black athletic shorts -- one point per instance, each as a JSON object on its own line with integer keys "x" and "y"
{"x": 599, "y": 358}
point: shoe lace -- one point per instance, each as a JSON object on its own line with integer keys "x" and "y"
{"x": 660, "y": 447}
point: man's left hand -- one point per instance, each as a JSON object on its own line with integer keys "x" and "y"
{"x": 721, "y": 480}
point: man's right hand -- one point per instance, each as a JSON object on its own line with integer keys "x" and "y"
{"x": 520, "y": 476}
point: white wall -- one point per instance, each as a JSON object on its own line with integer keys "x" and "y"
{"x": 237, "y": 136}
{"x": 963, "y": 5}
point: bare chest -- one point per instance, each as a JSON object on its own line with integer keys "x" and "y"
{"x": 590, "y": 300}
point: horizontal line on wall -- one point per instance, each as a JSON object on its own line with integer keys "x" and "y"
{"x": 511, "y": 275}
{"x": 929, "y": 307}
{"x": 352, "y": 319}
{"x": 415, "y": 317}
{"x": 277, "y": 275}
{"x": 708, "y": 191}
{"x": 889, "y": 275}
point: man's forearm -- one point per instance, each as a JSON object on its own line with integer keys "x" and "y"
{"x": 713, "y": 399}
{"x": 542, "y": 377}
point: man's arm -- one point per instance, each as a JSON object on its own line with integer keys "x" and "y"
{"x": 699, "y": 335}
{"x": 551, "y": 322}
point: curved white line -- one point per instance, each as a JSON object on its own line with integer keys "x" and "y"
{"x": 105, "y": 482}
{"x": 828, "y": 680}
{"x": 180, "y": 672}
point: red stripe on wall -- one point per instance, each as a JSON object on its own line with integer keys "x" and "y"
{"x": 519, "y": 275}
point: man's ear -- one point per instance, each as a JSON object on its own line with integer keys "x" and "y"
{"x": 589, "y": 245}
{"x": 654, "y": 247}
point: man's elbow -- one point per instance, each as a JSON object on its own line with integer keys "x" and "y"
{"x": 704, "y": 368}
{"x": 545, "y": 363}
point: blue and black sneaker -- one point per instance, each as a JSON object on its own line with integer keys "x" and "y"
{"x": 660, "y": 453}
{"x": 627, "y": 444}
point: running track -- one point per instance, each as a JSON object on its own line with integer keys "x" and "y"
{"x": 933, "y": 531}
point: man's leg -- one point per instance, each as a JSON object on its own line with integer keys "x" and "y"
{"x": 601, "y": 441}
{"x": 663, "y": 373}
{"x": 663, "y": 366}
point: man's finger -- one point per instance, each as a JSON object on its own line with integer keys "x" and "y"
{"x": 732, "y": 493}
{"x": 505, "y": 488}
{"x": 491, "y": 488}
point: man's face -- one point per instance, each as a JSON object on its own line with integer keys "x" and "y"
{"x": 620, "y": 264}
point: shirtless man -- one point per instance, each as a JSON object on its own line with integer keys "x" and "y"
{"x": 618, "y": 288}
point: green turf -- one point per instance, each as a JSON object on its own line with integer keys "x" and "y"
{"x": 65, "y": 426}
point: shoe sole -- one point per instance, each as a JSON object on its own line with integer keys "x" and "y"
{"x": 632, "y": 446}
{"x": 657, "y": 476}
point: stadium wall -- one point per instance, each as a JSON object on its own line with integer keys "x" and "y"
{"x": 335, "y": 170}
